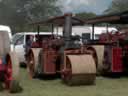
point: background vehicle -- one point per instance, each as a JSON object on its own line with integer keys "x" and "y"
{"x": 19, "y": 41}
{"x": 9, "y": 63}
{"x": 111, "y": 48}
{"x": 86, "y": 31}
{"x": 7, "y": 29}
{"x": 4, "y": 28}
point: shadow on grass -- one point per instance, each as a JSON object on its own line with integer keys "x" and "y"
{"x": 48, "y": 77}
{"x": 23, "y": 65}
{"x": 115, "y": 75}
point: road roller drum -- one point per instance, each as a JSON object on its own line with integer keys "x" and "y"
{"x": 79, "y": 69}
{"x": 33, "y": 61}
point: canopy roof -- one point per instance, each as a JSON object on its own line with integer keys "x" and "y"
{"x": 60, "y": 20}
{"x": 118, "y": 18}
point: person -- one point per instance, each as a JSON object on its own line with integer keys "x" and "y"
{"x": 29, "y": 42}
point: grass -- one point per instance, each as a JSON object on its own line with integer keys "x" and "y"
{"x": 103, "y": 87}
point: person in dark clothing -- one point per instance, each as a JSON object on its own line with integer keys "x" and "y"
{"x": 29, "y": 42}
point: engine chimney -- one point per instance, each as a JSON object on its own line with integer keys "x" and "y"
{"x": 67, "y": 31}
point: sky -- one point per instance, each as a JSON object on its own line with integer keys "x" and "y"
{"x": 76, "y": 6}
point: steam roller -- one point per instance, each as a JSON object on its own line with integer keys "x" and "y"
{"x": 63, "y": 55}
{"x": 79, "y": 69}
{"x": 9, "y": 66}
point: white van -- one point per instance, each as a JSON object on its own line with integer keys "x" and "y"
{"x": 19, "y": 42}
{"x": 86, "y": 31}
{"x": 4, "y": 28}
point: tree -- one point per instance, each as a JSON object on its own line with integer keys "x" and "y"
{"x": 117, "y": 6}
{"x": 18, "y": 13}
{"x": 85, "y": 15}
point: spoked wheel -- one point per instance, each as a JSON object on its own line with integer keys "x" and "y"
{"x": 106, "y": 62}
{"x": 67, "y": 72}
{"x": 80, "y": 70}
{"x": 31, "y": 65}
{"x": 40, "y": 63}
{"x": 32, "y": 62}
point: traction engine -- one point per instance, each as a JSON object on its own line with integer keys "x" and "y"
{"x": 116, "y": 52}
{"x": 63, "y": 55}
{"x": 111, "y": 52}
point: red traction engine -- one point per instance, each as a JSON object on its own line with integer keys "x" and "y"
{"x": 111, "y": 48}
{"x": 62, "y": 56}
{"x": 115, "y": 52}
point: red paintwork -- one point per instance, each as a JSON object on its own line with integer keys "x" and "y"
{"x": 116, "y": 54}
{"x": 51, "y": 53}
{"x": 2, "y": 67}
{"x": 110, "y": 37}
{"x": 117, "y": 64}
{"x": 49, "y": 64}
{"x": 35, "y": 45}
{"x": 6, "y": 73}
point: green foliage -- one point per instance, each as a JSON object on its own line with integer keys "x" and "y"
{"x": 85, "y": 15}
{"x": 18, "y": 13}
{"x": 117, "y": 6}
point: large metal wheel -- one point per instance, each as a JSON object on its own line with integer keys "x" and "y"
{"x": 107, "y": 60}
{"x": 67, "y": 73}
{"x": 79, "y": 70}
{"x": 40, "y": 63}
{"x": 100, "y": 57}
{"x": 12, "y": 73}
{"x": 92, "y": 51}
{"x": 32, "y": 62}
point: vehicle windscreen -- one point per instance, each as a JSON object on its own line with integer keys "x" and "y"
{"x": 16, "y": 37}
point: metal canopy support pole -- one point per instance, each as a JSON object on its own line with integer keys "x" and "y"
{"x": 107, "y": 28}
{"x": 38, "y": 31}
{"x": 93, "y": 31}
{"x": 52, "y": 30}
{"x": 107, "y": 32}
{"x": 57, "y": 29}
